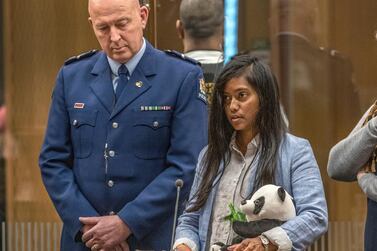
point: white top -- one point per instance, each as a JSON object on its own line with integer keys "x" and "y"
{"x": 232, "y": 190}
{"x": 206, "y": 56}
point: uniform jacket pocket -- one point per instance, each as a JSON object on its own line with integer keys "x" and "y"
{"x": 83, "y": 123}
{"x": 152, "y": 134}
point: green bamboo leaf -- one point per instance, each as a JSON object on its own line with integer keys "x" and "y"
{"x": 235, "y": 215}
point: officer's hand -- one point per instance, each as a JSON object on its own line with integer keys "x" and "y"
{"x": 86, "y": 228}
{"x": 122, "y": 247}
{"x": 107, "y": 232}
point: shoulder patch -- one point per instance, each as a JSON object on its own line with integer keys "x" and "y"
{"x": 182, "y": 56}
{"x": 79, "y": 57}
{"x": 202, "y": 94}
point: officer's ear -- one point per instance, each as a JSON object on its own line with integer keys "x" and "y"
{"x": 90, "y": 21}
{"x": 180, "y": 30}
{"x": 144, "y": 13}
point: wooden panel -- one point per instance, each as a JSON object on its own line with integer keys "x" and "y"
{"x": 352, "y": 32}
{"x": 167, "y": 12}
{"x": 253, "y": 28}
{"x": 317, "y": 83}
{"x": 150, "y": 31}
{"x": 37, "y": 41}
{"x": 352, "y": 26}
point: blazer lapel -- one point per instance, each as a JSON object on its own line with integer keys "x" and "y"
{"x": 138, "y": 83}
{"x": 102, "y": 84}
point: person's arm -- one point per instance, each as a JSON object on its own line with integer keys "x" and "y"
{"x": 187, "y": 137}
{"x": 56, "y": 163}
{"x": 187, "y": 231}
{"x": 349, "y": 155}
{"x": 368, "y": 183}
{"x": 309, "y": 197}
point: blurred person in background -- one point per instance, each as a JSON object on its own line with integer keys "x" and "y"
{"x": 201, "y": 28}
{"x": 354, "y": 159}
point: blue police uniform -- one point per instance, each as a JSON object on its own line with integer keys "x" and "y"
{"x": 101, "y": 157}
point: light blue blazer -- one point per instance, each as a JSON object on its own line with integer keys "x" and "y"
{"x": 297, "y": 173}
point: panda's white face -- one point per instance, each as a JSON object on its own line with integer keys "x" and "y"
{"x": 269, "y": 202}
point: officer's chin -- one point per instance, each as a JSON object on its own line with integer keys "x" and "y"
{"x": 121, "y": 57}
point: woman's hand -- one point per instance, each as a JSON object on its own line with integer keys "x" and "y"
{"x": 361, "y": 173}
{"x": 182, "y": 247}
{"x": 252, "y": 244}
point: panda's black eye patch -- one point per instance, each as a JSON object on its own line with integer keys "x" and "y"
{"x": 259, "y": 203}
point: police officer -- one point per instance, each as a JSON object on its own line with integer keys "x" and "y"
{"x": 200, "y": 26}
{"x": 124, "y": 124}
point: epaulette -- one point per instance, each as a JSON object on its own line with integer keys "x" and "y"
{"x": 79, "y": 57}
{"x": 182, "y": 56}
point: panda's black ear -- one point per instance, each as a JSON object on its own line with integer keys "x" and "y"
{"x": 281, "y": 193}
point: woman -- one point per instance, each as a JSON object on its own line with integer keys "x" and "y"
{"x": 248, "y": 148}
{"x": 354, "y": 158}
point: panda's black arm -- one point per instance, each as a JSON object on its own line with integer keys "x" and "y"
{"x": 254, "y": 228}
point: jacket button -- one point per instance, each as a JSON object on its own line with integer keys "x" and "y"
{"x": 115, "y": 125}
{"x": 75, "y": 122}
{"x": 112, "y": 213}
{"x": 111, "y": 153}
{"x": 155, "y": 124}
{"x": 110, "y": 183}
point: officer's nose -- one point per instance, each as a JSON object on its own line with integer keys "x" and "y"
{"x": 114, "y": 34}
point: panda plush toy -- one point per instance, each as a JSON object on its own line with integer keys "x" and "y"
{"x": 270, "y": 206}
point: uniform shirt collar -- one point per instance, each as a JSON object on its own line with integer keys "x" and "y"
{"x": 206, "y": 56}
{"x": 131, "y": 64}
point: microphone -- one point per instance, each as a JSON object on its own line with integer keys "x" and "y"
{"x": 178, "y": 185}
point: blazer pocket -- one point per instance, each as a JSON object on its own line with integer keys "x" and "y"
{"x": 83, "y": 123}
{"x": 151, "y": 135}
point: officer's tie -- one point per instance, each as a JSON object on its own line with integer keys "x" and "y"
{"x": 122, "y": 81}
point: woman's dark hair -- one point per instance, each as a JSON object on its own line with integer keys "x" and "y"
{"x": 269, "y": 122}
